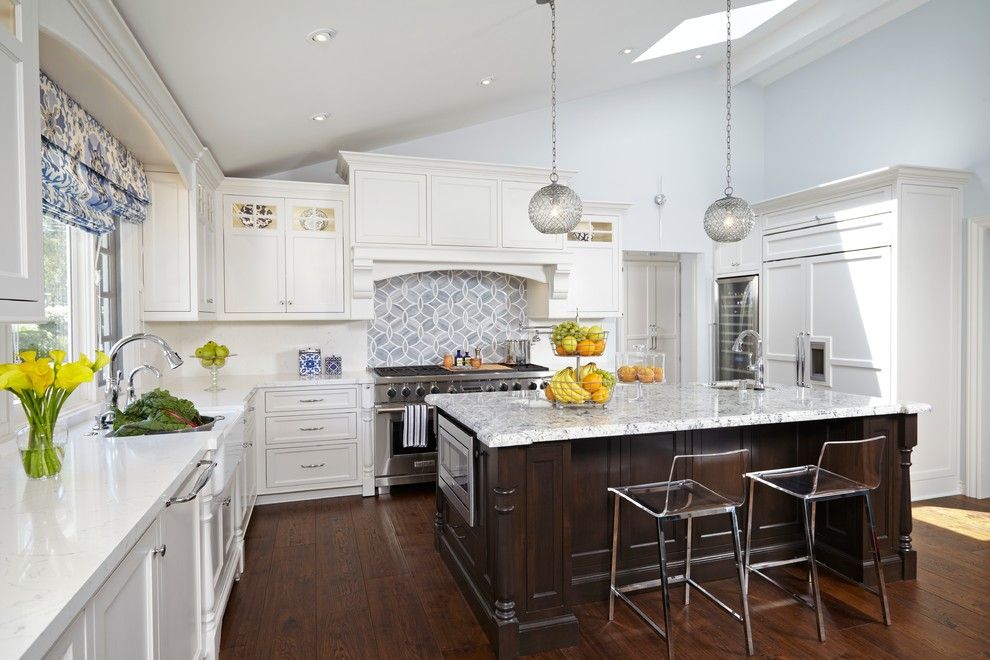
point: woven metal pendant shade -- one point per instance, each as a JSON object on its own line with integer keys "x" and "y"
{"x": 729, "y": 219}
{"x": 555, "y": 209}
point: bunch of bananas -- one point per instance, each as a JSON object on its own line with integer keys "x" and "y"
{"x": 565, "y": 388}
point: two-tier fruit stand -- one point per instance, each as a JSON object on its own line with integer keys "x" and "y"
{"x": 569, "y": 339}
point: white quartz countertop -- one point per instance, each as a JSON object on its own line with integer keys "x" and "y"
{"x": 237, "y": 388}
{"x": 62, "y": 537}
{"x": 505, "y": 419}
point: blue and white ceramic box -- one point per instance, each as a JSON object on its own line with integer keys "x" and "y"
{"x": 335, "y": 366}
{"x": 310, "y": 364}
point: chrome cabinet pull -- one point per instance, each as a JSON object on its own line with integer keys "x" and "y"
{"x": 226, "y": 501}
{"x": 209, "y": 300}
{"x": 159, "y": 551}
{"x": 247, "y": 444}
{"x": 310, "y": 400}
{"x": 312, "y": 465}
{"x": 310, "y": 428}
{"x": 204, "y": 477}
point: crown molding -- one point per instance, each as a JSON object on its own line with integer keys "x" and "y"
{"x": 162, "y": 112}
{"x": 346, "y": 160}
{"x": 281, "y": 188}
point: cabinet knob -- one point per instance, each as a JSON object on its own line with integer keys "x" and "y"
{"x": 281, "y": 302}
{"x": 225, "y": 502}
{"x": 209, "y": 300}
{"x": 290, "y": 302}
{"x": 159, "y": 551}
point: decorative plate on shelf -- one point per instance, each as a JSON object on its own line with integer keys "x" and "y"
{"x": 314, "y": 220}
{"x": 264, "y": 216}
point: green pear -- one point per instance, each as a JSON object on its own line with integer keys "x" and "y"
{"x": 207, "y": 362}
{"x": 222, "y": 351}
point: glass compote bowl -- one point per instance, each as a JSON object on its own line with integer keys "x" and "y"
{"x": 214, "y": 365}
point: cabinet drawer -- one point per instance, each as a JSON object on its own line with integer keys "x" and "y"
{"x": 311, "y": 428}
{"x": 316, "y": 399}
{"x": 869, "y": 232}
{"x": 335, "y": 465}
{"x": 839, "y": 208}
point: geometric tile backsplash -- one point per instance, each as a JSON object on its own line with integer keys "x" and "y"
{"x": 422, "y": 316}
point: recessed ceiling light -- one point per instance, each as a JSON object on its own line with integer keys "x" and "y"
{"x": 487, "y": 82}
{"x": 321, "y": 116}
{"x": 708, "y": 30}
{"x": 322, "y": 36}
{"x": 698, "y": 56}
{"x": 626, "y": 51}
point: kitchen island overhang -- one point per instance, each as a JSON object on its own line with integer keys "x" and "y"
{"x": 539, "y": 539}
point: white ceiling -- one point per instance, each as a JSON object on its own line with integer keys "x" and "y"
{"x": 248, "y": 79}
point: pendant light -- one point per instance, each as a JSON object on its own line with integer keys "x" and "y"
{"x": 729, "y": 219}
{"x": 554, "y": 209}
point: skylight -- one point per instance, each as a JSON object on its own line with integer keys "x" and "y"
{"x": 707, "y": 30}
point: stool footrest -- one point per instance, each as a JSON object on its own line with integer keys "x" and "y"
{"x": 777, "y": 562}
{"x": 679, "y": 579}
{"x": 796, "y": 596}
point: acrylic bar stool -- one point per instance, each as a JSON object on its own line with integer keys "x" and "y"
{"x": 845, "y": 469}
{"x": 716, "y": 487}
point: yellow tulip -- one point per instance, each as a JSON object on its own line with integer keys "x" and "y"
{"x": 14, "y": 380}
{"x": 28, "y": 356}
{"x": 57, "y": 356}
{"x": 73, "y": 374}
{"x": 102, "y": 360}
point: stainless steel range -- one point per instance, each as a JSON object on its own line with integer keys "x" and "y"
{"x": 395, "y": 387}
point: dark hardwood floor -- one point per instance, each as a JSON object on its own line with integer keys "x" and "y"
{"x": 358, "y": 578}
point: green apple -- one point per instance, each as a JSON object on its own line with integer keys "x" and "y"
{"x": 200, "y": 352}
{"x": 209, "y": 352}
{"x": 207, "y": 362}
{"x": 219, "y": 362}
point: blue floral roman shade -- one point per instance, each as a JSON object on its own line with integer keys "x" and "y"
{"x": 89, "y": 179}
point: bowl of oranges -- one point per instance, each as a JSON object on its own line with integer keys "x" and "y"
{"x": 647, "y": 369}
{"x": 588, "y": 385}
{"x": 570, "y": 338}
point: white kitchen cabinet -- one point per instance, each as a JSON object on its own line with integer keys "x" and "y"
{"x": 166, "y": 247}
{"x": 651, "y": 309}
{"x": 391, "y": 207}
{"x": 743, "y": 257}
{"x": 126, "y": 608}
{"x": 464, "y": 211}
{"x": 181, "y": 637}
{"x": 206, "y": 240}
{"x": 517, "y": 230}
{"x": 596, "y": 285}
{"x": 869, "y": 267}
{"x": 73, "y": 644}
{"x": 314, "y": 260}
{"x": 283, "y": 257}
{"x": 21, "y": 281}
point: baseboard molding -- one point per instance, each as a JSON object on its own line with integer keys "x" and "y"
{"x": 928, "y": 489}
{"x": 302, "y": 496}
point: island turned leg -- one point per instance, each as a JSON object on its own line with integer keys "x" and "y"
{"x": 507, "y": 629}
{"x": 908, "y": 441}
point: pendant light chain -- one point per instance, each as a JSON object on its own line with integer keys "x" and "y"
{"x": 728, "y": 98}
{"x": 553, "y": 90}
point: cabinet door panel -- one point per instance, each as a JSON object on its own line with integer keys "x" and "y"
{"x": 594, "y": 281}
{"x": 72, "y": 645}
{"x": 125, "y": 609}
{"x": 314, "y": 275}
{"x": 639, "y": 308}
{"x": 727, "y": 258}
{"x": 166, "y": 247}
{"x": 784, "y": 315}
{"x": 517, "y": 230}
{"x": 253, "y": 274}
{"x": 206, "y": 249}
{"x": 751, "y": 252}
{"x": 20, "y": 162}
{"x": 389, "y": 207}
{"x": 464, "y": 211}
{"x": 180, "y": 599}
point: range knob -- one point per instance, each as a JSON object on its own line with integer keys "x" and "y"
{"x": 420, "y": 391}
{"x": 516, "y": 387}
{"x": 504, "y": 387}
{"x": 434, "y": 389}
{"x": 405, "y": 391}
{"x": 489, "y": 388}
{"x": 543, "y": 385}
{"x": 451, "y": 389}
{"x": 533, "y": 386}
{"x": 390, "y": 393}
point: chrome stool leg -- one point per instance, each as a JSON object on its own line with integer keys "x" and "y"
{"x": 743, "y": 587}
{"x": 813, "y": 567}
{"x": 814, "y": 517}
{"x": 749, "y": 530}
{"x": 615, "y": 555}
{"x": 665, "y": 589}
{"x": 881, "y": 583}
{"x": 687, "y": 566}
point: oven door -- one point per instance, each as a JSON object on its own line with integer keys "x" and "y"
{"x": 395, "y": 464}
{"x": 456, "y": 469}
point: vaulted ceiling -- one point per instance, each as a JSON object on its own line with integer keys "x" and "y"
{"x": 249, "y": 79}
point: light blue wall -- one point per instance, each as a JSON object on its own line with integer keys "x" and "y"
{"x": 915, "y": 91}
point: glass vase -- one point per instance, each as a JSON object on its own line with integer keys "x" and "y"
{"x": 42, "y": 449}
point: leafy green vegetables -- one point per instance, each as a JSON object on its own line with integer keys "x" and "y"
{"x": 156, "y": 412}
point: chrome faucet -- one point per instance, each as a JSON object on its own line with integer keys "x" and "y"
{"x": 131, "y": 389}
{"x": 116, "y": 378}
{"x": 757, "y": 361}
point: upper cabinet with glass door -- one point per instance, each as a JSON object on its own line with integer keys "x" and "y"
{"x": 283, "y": 255}
{"x": 21, "y": 282}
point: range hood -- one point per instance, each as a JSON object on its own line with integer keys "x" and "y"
{"x": 549, "y": 271}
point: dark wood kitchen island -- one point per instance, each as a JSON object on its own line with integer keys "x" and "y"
{"x": 541, "y": 534}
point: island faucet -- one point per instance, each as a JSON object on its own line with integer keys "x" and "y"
{"x": 116, "y": 378}
{"x": 757, "y": 361}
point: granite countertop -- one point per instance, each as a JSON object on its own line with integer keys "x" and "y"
{"x": 505, "y": 419}
{"x": 64, "y": 536}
